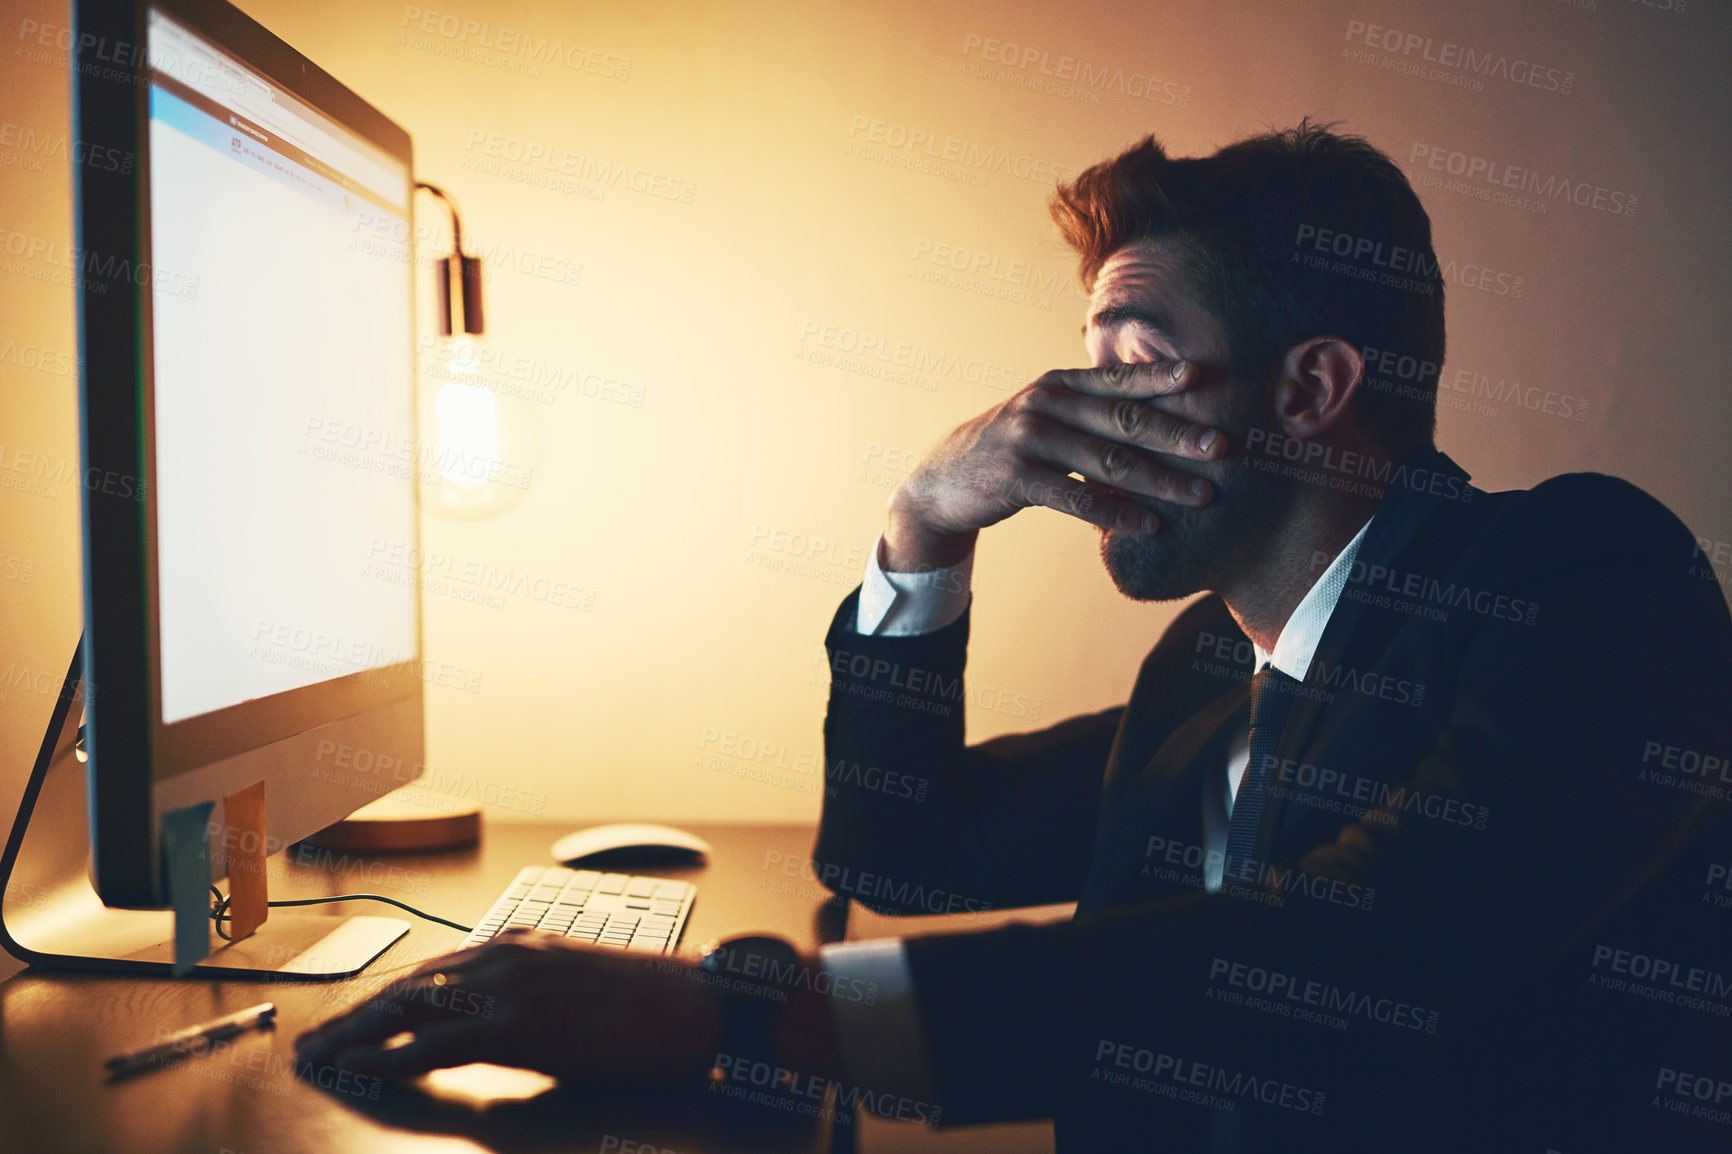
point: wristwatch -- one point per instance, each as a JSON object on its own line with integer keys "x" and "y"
{"x": 751, "y": 977}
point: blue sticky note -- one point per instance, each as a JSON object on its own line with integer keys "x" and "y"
{"x": 186, "y": 858}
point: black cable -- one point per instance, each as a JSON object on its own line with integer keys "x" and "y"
{"x": 219, "y": 912}
{"x": 451, "y": 207}
{"x": 374, "y": 898}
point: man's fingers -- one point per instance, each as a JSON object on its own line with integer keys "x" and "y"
{"x": 1126, "y": 419}
{"x": 454, "y": 963}
{"x": 432, "y": 1047}
{"x": 513, "y": 942}
{"x": 1112, "y": 463}
{"x": 398, "y": 1007}
{"x": 1095, "y": 504}
{"x": 1157, "y": 378}
{"x": 369, "y": 1024}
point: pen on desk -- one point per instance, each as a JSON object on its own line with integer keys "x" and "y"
{"x": 194, "y": 1039}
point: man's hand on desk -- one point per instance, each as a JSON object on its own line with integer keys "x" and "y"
{"x": 576, "y": 1012}
{"x": 1102, "y": 423}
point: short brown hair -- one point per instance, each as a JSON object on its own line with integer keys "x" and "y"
{"x": 1249, "y": 219}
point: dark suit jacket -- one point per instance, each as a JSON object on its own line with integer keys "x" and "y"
{"x": 1483, "y": 911}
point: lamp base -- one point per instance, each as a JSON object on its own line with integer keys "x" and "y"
{"x": 394, "y": 824}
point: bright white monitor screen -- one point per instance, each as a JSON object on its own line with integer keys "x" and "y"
{"x": 284, "y": 406}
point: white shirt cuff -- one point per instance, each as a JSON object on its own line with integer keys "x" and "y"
{"x": 883, "y": 1047}
{"x": 904, "y": 604}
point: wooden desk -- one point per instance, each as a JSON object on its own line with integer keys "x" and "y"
{"x": 57, "y": 1028}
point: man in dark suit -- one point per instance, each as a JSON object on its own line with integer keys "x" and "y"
{"x": 1382, "y": 852}
{"x": 1408, "y": 835}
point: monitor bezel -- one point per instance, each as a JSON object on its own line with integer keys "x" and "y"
{"x": 111, "y": 90}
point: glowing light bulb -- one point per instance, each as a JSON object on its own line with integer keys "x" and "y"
{"x": 468, "y": 422}
{"x": 481, "y": 446}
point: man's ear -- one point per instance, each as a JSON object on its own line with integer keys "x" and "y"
{"x": 1318, "y": 380}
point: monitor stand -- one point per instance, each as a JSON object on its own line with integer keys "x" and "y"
{"x": 51, "y": 916}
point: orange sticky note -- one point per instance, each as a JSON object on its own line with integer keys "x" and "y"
{"x": 244, "y": 813}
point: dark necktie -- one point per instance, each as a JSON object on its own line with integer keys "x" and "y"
{"x": 1272, "y": 697}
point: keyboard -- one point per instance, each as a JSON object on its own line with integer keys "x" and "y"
{"x": 618, "y": 911}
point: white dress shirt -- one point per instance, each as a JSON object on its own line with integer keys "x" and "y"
{"x": 883, "y": 1047}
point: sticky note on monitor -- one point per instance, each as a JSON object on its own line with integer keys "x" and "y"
{"x": 244, "y": 815}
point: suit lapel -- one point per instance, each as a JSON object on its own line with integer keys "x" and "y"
{"x": 1165, "y": 799}
{"x": 1398, "y": 520}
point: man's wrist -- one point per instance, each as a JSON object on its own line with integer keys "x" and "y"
{"x": 765, "y": 1012}
{"x": 804, "y": 1032}
{"x": 910, "y": 546}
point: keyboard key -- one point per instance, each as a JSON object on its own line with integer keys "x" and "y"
{"x": 610, "y": 910}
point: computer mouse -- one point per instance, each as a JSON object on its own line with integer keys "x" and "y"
{"x": 631, "y": 842}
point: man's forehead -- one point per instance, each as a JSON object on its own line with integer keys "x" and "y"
{"x": 1137, "y": 271}
{"x": 1149, "y": 282}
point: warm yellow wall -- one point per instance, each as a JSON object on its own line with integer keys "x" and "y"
{"x": 663, "y": 514}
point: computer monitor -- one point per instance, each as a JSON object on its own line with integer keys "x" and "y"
{"x": 247, "y": 413}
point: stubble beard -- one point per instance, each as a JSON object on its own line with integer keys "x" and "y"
{"x": 1200, "y": 548}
